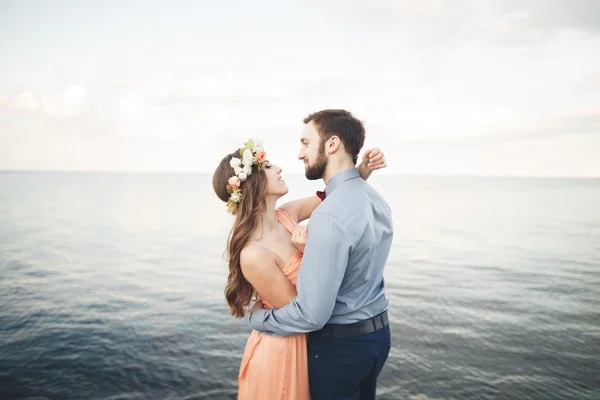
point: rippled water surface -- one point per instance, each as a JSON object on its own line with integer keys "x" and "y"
{"x": 111, "y": 288}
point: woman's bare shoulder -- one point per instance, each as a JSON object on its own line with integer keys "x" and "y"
{"x": 254, "y": 256}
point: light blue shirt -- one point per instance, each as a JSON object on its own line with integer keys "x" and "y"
{"x": 341, "y": 275}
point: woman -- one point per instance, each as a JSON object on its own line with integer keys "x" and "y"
{"x": 264, "y": 262}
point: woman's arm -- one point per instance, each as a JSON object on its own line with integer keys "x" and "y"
{"x": 260, "y": 269}
{"x": 301, "y": 209}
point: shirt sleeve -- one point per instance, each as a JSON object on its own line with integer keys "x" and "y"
{"x": 321, "y": 273}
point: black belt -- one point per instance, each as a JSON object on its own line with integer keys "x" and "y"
{"x": 358, "y": 328}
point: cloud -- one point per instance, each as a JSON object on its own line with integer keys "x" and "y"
{"x": 199, "y": 109}
{"x": 67, "y": 104}
{"x": 507, "y": 22}
{"x": 401, "y": 10}
{"x": 427, "y": 19}
{"x": 206, "y": 93}
{"x": 592, "y": 82}
{"x": 204, "y": 98}
{"x": 553, "y": 15}
{"x": 581, "y": 122}
{"x": 134, "y": 116}
{"x": 585, "y": 121}
{"x": 526, "y": 22}
{"x": 26, "y": 101}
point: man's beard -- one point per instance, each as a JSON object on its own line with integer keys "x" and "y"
{"x": 316, "y": 171}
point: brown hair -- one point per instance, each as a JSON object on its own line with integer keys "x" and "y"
{"x": 340, "y": 123}
{"x": 239, "y": 291}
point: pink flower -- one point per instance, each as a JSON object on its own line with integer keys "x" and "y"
{"x": 260, "y": 156}
{"x": 234, "y": 182}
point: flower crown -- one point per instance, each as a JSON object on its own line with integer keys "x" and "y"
{"x": 251, "y": 154}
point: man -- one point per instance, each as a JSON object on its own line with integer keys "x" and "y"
{"x": 341, "y": 294}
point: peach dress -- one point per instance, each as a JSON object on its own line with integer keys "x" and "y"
{"x": 275, "y": 368}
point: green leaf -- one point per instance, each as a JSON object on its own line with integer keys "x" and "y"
{"x": 231, "y": 205}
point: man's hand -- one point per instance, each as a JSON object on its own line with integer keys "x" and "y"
{"x": 374, "y": 159}
{"x": 256, "y": 306}
{"x": 299, "y": 237}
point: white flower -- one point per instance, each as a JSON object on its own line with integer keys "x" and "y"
{"x": 237, "y": 170}
{"x": 236, "y": 197}
{"x": 247, "y": 154}
{"x": 235, "y": 162}
{"x": 248, "y": 170}
{"x": 258, "y": 144}
{"x": 243, "y": 176}
{"x": 247, "y": 162}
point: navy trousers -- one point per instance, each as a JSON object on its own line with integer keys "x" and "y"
{"x": 346, "y": 368}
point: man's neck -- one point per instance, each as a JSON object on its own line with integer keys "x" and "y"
{"x": 335, "y": 167}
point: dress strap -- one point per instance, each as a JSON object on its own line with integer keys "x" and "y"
{"x": 284, "y": 218}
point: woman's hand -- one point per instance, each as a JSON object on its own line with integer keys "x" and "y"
{"x": 299, "y": 237}
{"x": 374, "y": 159}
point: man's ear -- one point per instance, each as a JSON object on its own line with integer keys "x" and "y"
{"x": 332, "y": 144}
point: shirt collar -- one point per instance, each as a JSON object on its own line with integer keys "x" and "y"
{"x": 345, "y": 175}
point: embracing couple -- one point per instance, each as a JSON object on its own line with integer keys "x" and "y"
{"x": 320, "y": 320}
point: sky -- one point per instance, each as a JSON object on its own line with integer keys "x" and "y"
{"x": 481, "y": 87}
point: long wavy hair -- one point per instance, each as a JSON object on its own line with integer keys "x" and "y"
{"x": 238, "y": 291}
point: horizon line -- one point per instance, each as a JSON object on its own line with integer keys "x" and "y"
{"x": 397, "y": 174}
